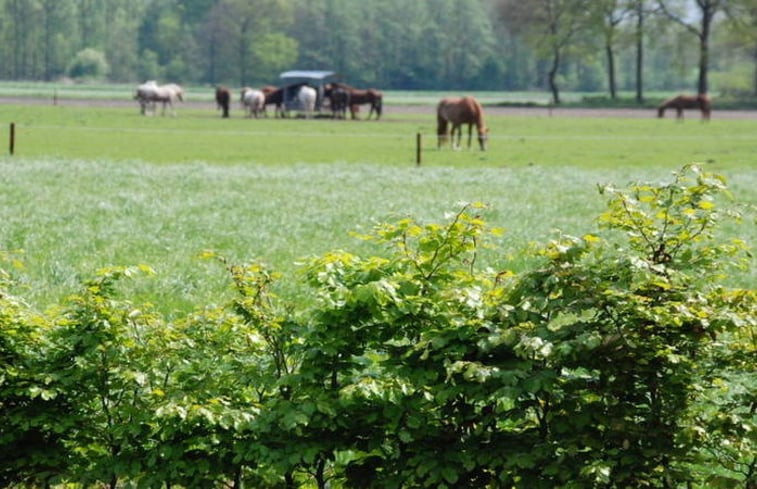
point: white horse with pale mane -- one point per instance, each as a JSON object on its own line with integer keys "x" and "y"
{"x": 253, "y": 101}
{"x": 150, "y": 93}
{"x": 303, "y": 100}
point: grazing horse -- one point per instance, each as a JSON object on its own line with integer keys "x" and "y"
{"x": 459, "y": 111}
{"x": 339, "y": 99}
{"x": 274, "y": 95}
{"x": 360, "y": 97}
{"x": 150, "y": 93}
{"x": 253, "y": 101}
{"x": 701, "y": 102}
{"x": 300, "y": 97}
{"x": 223, "y": 100}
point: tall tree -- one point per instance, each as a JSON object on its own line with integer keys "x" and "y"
{"x": 742, "y": 16}
{"x": 22, "y": 15}
{"x": 639, "y": 8}
{"x": 701, "y": 28}
{"x": 551, "y": 25}
{"x": 614, "y": 12}
{"x": 55, "y": 20}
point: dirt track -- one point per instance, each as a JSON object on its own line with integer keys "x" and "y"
{"x": 421, "y": 109}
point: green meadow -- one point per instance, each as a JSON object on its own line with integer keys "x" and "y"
{"x": 90, "y": 187}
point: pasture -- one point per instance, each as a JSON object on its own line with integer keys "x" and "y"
{"x": 92, "y": 186}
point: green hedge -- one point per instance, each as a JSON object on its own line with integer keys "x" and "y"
{"x": 618, "y": 360}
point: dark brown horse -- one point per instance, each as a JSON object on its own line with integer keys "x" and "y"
{"x": 681, "y": 102}
{"x": 273, "y": 95}
{"x": 360, "y": 97}
{"x": 223, "y": 99}
{"x": 340, "y": 101}
{"x": 459, "y": 111}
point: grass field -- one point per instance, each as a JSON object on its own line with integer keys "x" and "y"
{"x": 96, "y": 186}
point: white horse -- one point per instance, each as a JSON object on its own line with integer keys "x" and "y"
{"x": 150, "y": 93}
{"x": 253, "y": 101}
{"x": 303, "y": 100}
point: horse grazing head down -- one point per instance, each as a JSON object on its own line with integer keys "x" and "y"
{"x": 458, "y": 111}
{"x": 681, "y": 102}
{"x": 150, "y": 93}
{"x": 358, "y": 97}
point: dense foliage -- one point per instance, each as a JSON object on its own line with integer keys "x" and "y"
{"x": 617, "y": 360}
{"x": 391, "y": 44}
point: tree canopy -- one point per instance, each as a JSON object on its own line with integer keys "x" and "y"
{"x": 391, "y": 44}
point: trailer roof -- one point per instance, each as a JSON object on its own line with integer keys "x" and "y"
{"x": 310, "y": 74}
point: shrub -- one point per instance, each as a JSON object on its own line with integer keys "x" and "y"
{"x": 88, "y": 63}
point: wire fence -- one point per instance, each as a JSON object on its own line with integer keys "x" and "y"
{"x": 422, "y": 142}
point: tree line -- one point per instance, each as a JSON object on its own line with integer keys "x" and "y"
{"x": 580, "y": 45}
{"x": 617, "y": 359}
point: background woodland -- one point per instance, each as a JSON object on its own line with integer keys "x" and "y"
{"x": 596, "y": 46}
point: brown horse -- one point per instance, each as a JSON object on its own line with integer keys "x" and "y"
{"x": 223, "y": 100}
{"x": 701, "y": 102}
{"x": 273, "y": 95}
{"x": 459, "y": 111}
{"x": 340, "y": 100}
{"x": 359, "y": 97}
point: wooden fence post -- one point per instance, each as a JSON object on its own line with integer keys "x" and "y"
{"x": 418, "y": 149}
{"x": 13, "y": 138}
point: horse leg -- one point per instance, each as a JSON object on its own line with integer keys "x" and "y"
{"x": 456, "y": 129}
{"x": 470, "y": 134}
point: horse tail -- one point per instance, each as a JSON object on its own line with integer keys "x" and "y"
{"x": 379, "y": 104}
{"x": 441, "y": 125}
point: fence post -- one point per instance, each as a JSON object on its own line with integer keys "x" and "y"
{"x": 418, "y": 149}
{"x": 13, "y": 138}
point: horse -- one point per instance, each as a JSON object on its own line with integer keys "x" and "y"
{"x": 459, "y": 111}
{"x": 273, "y": 95}
{"x": 149, "y": 93}
{"x": 360, "y": 97}
{"x": 339, "y": 99}
{"x": 253, "y": 101}
{"x": 301, "y": 97}
{"x": 680, "y": 102}
{"x": 223, "y": 99}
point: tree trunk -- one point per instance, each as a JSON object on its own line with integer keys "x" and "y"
{"x": 611, "y": 70}
{"x": 238, "y": 479}
{"x": 703, "y": 59}
{"x": 289, "y": 480}
{"x": 754, "y": 57}
{"x": 640, "y": 51}
{"x": 552, "y": 77}
{"x": 320, "y": 478}
{"x": 708, "y": 12}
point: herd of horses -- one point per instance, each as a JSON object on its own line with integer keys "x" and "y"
{"x": 303, "y": 98}
{"x": 299, "y": 97}
{"x": 452, "y": 113}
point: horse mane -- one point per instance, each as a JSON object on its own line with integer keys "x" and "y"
{"x": 478, "y": 112}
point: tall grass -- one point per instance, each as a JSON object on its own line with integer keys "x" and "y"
{"x": 73, "y": 216}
